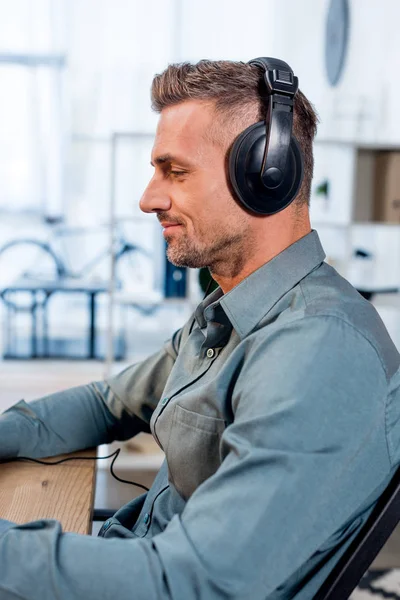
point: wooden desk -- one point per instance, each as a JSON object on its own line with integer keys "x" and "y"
{"x": 29, "y": 491}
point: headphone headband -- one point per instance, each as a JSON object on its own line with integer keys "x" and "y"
{"x": 282, "y": 86}
{"x": 279, "y": 77}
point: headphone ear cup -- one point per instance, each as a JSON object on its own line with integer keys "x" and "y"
{"x": 245, "y": 167}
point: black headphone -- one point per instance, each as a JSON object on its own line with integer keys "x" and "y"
{"x": 265, "y": 162}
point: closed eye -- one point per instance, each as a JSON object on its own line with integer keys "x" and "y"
{"x": 177, "y": 173}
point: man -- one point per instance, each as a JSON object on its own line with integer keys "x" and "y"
{"x": 277, "y": 405}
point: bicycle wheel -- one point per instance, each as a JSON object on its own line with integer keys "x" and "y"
{"x": 27, "y": 261}
{"x": 134, "y": 268}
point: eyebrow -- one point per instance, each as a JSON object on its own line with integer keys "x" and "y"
{"x": 168, "y": 158}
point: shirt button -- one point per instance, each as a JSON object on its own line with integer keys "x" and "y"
{"x": 164, "y": 401}
{"x": 210, "y": 352}
{"x": 146, "y": 518}
{"x": 107, "y": 525}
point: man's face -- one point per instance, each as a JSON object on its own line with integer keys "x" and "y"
{"x": 202, "y": 223}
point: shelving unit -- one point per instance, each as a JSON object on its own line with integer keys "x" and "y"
{"x": 343, "y": 210}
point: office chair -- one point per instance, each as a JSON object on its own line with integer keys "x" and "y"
{"x": 348, "y": 572}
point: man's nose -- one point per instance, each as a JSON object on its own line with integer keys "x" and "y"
{"x": 154, "y": 199}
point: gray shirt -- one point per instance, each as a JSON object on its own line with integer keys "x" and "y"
{"x": 278, "y": 408}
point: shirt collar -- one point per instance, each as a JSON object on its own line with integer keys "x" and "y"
{"x": 248, "y": 302}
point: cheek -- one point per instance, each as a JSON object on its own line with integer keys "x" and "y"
{"x": 210, "y": 203}
{"x": 215, "y": 192}
{"x": 218, "y": 184}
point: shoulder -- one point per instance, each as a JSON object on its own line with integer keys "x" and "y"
{"x": 330, "y": 297}
{"x": 321, "y": 336}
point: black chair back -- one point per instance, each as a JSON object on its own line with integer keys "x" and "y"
{"x": 347, "y": 573}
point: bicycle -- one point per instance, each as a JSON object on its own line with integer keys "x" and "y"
{"x": 30, "y": 259}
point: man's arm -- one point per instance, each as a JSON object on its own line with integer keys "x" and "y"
{"x": 306, "y": 450}
{"x": 88, "y": 415}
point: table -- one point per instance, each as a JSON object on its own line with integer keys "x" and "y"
{"x": 48, "y": 288}
{"x": 29, "y": 491}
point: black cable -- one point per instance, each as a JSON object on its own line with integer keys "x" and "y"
{"x": 57, "y": 462}
{"x": 114, "y": 454}
{"x": 208, "y": 288}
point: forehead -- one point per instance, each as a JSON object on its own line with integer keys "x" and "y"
{"x": 182, "y": 129}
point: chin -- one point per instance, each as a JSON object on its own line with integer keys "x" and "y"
{"x": 182, "y": 260}
{"x": 182, "y": 256}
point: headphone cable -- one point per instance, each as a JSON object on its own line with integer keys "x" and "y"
{"x": 57, "y": 462}
{"x": 114, "y": 455}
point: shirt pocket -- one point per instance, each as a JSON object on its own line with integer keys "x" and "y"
{"x": 193, "y": 452}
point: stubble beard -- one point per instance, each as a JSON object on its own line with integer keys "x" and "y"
{"x": 221, "y": 255}
{"x": 182, "y": 253}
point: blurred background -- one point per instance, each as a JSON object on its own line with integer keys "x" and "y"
{"x": 84, "y": 284}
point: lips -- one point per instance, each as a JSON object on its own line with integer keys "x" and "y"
{"x": 169, "y": 228}
{"x": 166, "y": 224}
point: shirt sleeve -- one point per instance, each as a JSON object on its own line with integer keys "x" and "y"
{"x": 4, "y": 525}
{"x": 304, "y": 451}
{"x": 89, "y": 415}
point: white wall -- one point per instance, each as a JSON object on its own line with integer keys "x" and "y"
{"x": 363, "y": 107}
{"x": 222, "y": 29}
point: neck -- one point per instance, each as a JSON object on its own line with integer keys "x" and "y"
{"x": 272, "y": 236}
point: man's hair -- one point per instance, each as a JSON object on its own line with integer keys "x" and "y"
{"x": 237, "y": 91}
